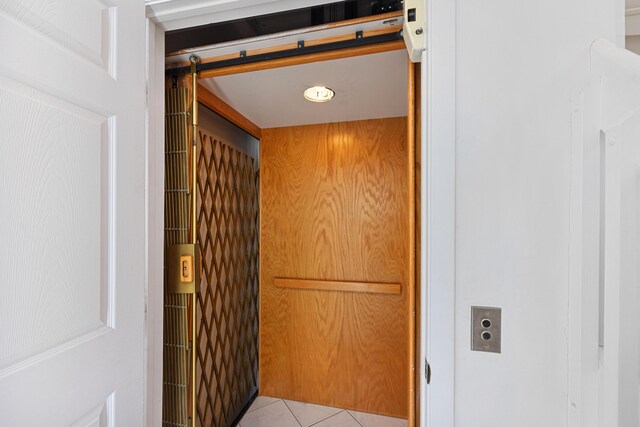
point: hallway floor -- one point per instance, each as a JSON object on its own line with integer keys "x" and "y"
{"x": 272, "y": 412}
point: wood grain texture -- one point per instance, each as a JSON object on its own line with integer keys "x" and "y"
{"x": 418, "y": 206}
{"x": 334, "y": 285}
{"x": 82, "y": 27}
{"x": 74, "y": 259}
{"x": 304, "y": 59}
{"x": 213, "y": 102}
{"x": 411, "y": 242}
{"x": 54, "y": 284}
{"x": 334, "y": 206}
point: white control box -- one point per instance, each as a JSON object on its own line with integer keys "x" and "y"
{"x": 414, "y": 30}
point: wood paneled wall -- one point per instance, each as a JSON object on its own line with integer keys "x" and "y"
{"x": 334, "y": 207}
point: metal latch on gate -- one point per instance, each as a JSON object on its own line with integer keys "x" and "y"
{"x": 427, "y": 371}
{"x": 182, "y": 264}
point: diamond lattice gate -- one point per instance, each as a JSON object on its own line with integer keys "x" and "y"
{"x": 227, "y": 304}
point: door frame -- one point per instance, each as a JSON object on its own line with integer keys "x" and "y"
{"x": 154, "y": 224}
{"x": 437, "y": 220}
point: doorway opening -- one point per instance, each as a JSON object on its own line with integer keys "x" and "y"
{"x": 334, "y": 229}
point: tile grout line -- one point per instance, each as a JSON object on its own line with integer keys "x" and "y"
{"x": 354, "y": 418}
{"x": 330, "y": 416}
{"x": 257, "y": 409}
{"x": 296, "y": 418}
{"x": 294, "y": 415}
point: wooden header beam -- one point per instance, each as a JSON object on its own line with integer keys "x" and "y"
{"x": 304, "y": 59}
{"x": 211, "y": 100}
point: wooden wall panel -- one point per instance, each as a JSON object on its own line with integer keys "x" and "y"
{"x": 334, "y": 206}
{"x": 411, "y": 241}
{"x": 419, "y": 370}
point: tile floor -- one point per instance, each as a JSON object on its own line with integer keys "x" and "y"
{"x": 272, "y": 412}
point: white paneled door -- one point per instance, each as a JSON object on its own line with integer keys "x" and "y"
{"x": 72, "y": 212}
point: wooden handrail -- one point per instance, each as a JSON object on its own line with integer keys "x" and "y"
{"x": 337, "y": 285}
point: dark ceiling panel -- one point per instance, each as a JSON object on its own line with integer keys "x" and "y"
{"x": 276, "y": 22}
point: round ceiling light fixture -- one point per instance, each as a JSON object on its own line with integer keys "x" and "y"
{"x": 319, "y": 94}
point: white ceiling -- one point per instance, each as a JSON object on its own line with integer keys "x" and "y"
{"x": 367, "y": 87}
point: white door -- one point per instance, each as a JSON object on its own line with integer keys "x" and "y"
{"x": 72, "y": 216}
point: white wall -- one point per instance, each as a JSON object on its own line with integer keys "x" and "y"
{"x": 517, "y": 66}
